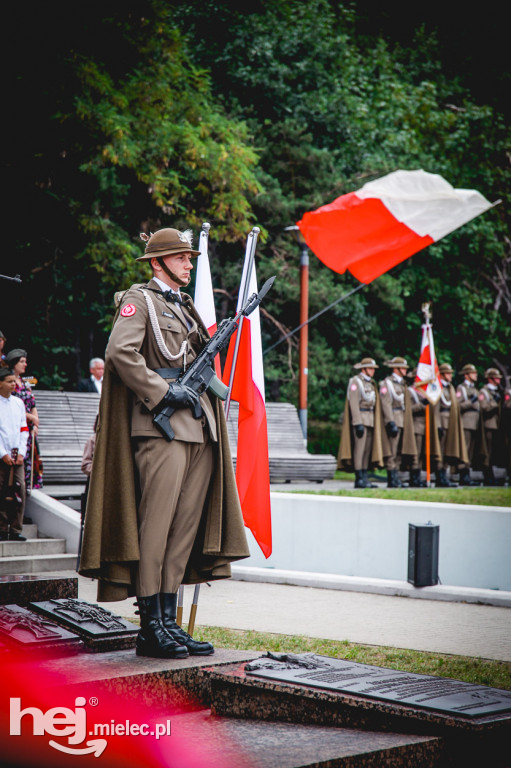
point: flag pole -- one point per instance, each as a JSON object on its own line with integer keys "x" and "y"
{"x": 244, "y": 288}
{"x": 428, "y": 450}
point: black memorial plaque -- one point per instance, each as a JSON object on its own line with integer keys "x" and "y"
{"x": 437, "y": 693}
{"x": 21, "y": 628}
{"x": 100, "y": 629}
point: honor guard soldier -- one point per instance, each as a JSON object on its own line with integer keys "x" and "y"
{"x": 450, "y": 430}
{"x": 361, "y": 436}
{"x": 160, "y": 511}
{"x": 490, "y": 400}
{"x": 468, "y": 400}
{"x": 397, "y": 418}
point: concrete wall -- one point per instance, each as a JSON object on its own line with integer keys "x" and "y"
{"x": 369, "y": 538}
{"x": 54, "y": 519}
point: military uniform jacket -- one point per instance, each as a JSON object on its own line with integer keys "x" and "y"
{"x": 362, "y": 397}
{"x": 490, "y": 407}
{"x": 470, "y": 411}
{"x": 392, "y": 393}
{"x": 110, "y": 550}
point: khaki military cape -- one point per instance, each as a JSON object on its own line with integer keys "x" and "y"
{"x": 380, "y": 447}
{"x": 455, "y": 451}
{"x": 110, "y": 550}
{"x": 408, "y": 444}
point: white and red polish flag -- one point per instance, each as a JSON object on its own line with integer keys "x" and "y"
{"x": 203, "y": 298}
{"x": 252, "y": 465}
{"x": 380, "y": 225}
{"x": 428, "y": 375}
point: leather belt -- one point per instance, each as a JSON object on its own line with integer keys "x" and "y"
{"x": 367, "y": 410}
{"x": 168, "y": 373}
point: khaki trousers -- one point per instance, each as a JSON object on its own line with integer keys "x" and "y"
{"x": 392, "y": 462}
{"x": 6, "y": 520}
{"x": 470, "y": 441}
{"x": 362, "y": 447}
{"x": 420, "y": 442}
{"x": 173, "y": 483}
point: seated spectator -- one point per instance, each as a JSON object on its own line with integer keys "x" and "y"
{"x": 95, "y": 380}
{"x": 13, "y": 446}
{"x": 17, "y": 360}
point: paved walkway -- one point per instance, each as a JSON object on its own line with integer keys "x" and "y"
{"x": 426, "y": 625}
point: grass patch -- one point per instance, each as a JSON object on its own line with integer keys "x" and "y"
{"x": 491, "y": 497}
{"x": 496, "y": 674}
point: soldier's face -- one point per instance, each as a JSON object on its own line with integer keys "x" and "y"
{"x": 447, "y": 376}
{"x": 472, "y": 376}
{"x": 369, "y": 372}
{"x": 179, "y": 265}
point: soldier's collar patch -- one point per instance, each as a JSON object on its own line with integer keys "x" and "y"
{"x": 128, "y": 310}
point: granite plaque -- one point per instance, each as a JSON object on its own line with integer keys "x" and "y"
{"x": 427, "y": 691}
{"x": 20, "y": 628}
{"x": 87, "y": 618}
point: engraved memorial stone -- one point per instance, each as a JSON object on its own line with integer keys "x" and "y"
{"x": 20, "y": 628}
{"x": 437, "y": 693}
{"x": 100, "y": 629}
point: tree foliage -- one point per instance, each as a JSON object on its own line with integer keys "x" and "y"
{"x": 171, "y": 114}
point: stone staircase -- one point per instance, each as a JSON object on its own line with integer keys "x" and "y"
{"x": 38, "y": 554}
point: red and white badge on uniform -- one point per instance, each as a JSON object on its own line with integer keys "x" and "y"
{"x": 128, "y": 311}
{"x": 384, "y": 390}
{"x": 353, "y": 387}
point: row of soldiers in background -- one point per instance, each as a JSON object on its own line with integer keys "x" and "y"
{"x": 469, "y": 429}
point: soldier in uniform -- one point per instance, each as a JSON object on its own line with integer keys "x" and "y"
{"x": 468, "y": 400}
{"x": 450, "y": 430}
{"x": 361, "y": 437}
{"x": 490, "y": 402}
{"x": 397, "y": 417}
{"x": 171, "y": 507}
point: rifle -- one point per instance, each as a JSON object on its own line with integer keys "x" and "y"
{"x": 200, "y": 375}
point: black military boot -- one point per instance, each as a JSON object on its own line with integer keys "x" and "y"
{"x": 367, "y": 481}
{"x": 391, "y": 481}
{"x": 489, "y": 477}
{"x": 415, "y": 479}
{"x": 442, "y": 481}
{"x": 153, "y": 639}
{"x": 465, "y": 478}
{"x": 169, "y": 613}
{"x": 359, "y": 479}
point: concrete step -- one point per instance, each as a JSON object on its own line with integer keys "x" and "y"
{"x": 32, "y": 547}
{"x": 30, "y": 530}
{"x": 37, "y": 563}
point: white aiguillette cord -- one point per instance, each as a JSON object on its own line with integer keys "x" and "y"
{"x": 158, "y": 335}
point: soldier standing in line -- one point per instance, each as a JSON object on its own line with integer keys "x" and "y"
{"x": 361, "y": 436}
{"x": 490, "y": 402}
{"x": 397, "y": 417}
{"x": 468, "y": 400}
{"x": 450, "y": 430}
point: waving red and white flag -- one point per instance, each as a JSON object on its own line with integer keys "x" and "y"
{"x": 252, "y": 466}
{"x": 203, "y": 298}
{"x": 380, "y": 225}
{"x": 428, "y": 375}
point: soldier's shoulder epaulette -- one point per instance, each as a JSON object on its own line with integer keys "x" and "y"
{"x": 119, "y": 295}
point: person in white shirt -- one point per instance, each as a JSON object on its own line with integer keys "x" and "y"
{"x": 13, "y": 446}
{"x": 95, "y": 380}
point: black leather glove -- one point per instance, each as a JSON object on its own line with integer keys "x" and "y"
{"x": 496, "y": 397}
{"x": 424, "y": 401}
{"x": 359, "y": 430}
{"x": 392, "y": 430}
{"x": 473, "y": 398}
{"x": 441, "y": 431}
{"x": 180, "y": 396}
